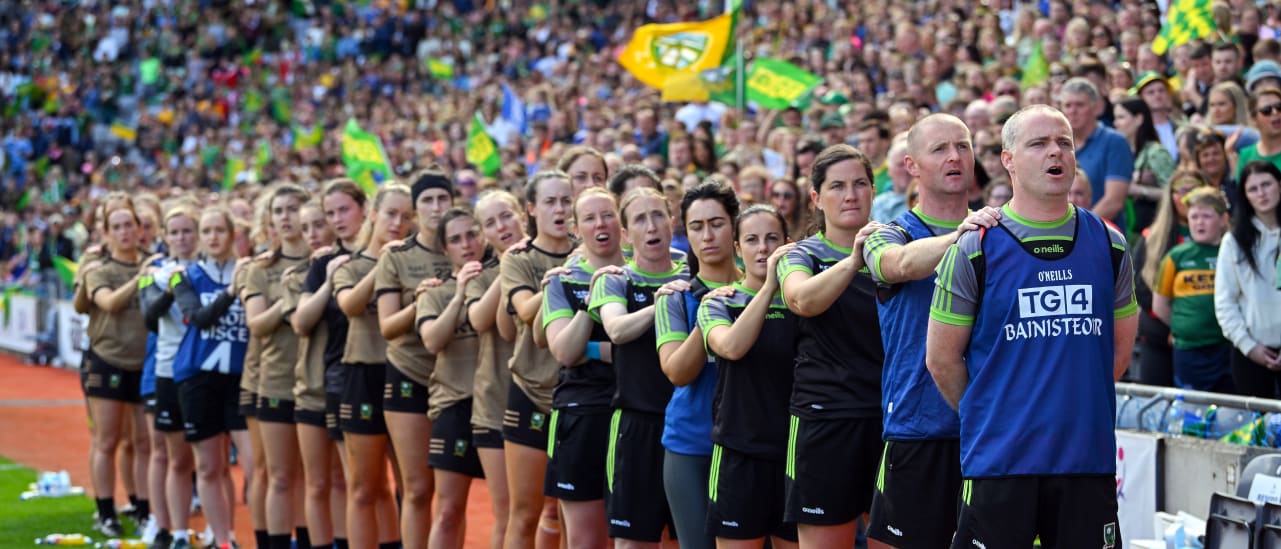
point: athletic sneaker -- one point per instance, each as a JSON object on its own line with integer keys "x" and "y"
{"x": 180, "y": 544}
{"x": 163, "y": 540}
{"x": 148, "y": 529}
{"x": 109, "y": 527}
{"x": 206, "y": 538}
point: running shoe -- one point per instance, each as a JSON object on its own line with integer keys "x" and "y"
{"x": 109, "y": 527}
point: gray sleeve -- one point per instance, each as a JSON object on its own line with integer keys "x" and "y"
{"x": 1124, "y": 302}
{"x": 956, "y": 289}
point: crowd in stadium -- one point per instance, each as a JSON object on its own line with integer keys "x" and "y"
{"x": 176, "y": 169}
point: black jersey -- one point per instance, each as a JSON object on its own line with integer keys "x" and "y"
{"x": 752, "y": 393}
{"x": 640, "y": 383}
{"x": 590, "y": 384}
{"x": 838, "y": 353}
{"x": 334, "y": 319}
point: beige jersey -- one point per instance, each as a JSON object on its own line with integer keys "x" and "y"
{"x": 399, "y": 271}
{"x": 309, "y": 370}
{"x": 365, "y": 343}
{"x": 489, "y": 392}
{"x": 119, "y": 338}
{"x": 253, "y": 351}
{"x": 455, "y": 372}
{"x": 534, "y": 370}
{"x": 279, "y": 349}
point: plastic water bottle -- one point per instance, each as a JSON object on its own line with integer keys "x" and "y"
{"x": 1174, "y": 418}
{"x": 1274, "y": 430}
{"x": 123, "y": 544}
{"x": 64, "y": 539}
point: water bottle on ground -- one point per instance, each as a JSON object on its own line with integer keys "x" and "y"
{"x": 64, "y": 539}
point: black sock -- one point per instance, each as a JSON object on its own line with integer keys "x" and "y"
{"x": 144, "y": 508}
{"x": 261, "y": 539}
{"x": 340, "y": 543}
{"x": 390, "y": 545}
{"x": 303, "y": 536}
{"x": 133, "y": 500}
{"x": 106, "y": 508}
{"x": 278, "y": 541}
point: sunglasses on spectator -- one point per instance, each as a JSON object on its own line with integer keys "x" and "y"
{"x": 1269, "y": 110}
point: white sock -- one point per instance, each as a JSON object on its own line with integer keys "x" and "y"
{"x": 184, "y": 535}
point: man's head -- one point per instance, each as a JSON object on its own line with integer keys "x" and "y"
{"x": 940, "y": 154}
{"x": 1265, "y": 106}
{"x": 896, "y": 165}
{"x": 679, "y": 152}
{"x": 874, "y": 140}
{"x": 1225, "y": 60}
{"x": 1039, "y": 153}
{"x": 978, "y": 115}
{"x": 1263, "y": 74}
{"x": 1080, "y": 103}
{"x": 1154, "y": 91}
{"x": 646, "y": 121}
{"x": 1199, "y": 59}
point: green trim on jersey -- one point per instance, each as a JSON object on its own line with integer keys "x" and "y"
{"x": 934, "y": 221}
{"x": 1006, "y": 210}
{"x": 612, "y": 454}
{"x": 551, "y": 434}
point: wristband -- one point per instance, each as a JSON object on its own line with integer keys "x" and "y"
{"x": 593, "y": 350}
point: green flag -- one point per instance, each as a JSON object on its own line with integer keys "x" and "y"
{"x": 149, "y": 70}
{"x": 481, "y": 150}
{"x": 1036, "y": 69}
{"x": 262, "y": 157}
{"x": 253, "y": 101}
{"x": 363, "y": 154}
{"x": 280, "y": 108}
{"x": 306, "y": 138}
{"x": 777, "y": 84}
{"x": 1184, "y": 21}
{"x": 439, "y": 69}
{"x": 66, "y": 269}
{"x": 235, "y": 165}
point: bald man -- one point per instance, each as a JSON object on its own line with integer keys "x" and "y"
{"x": 1030, "y": 325}
{"x": 916, "y": 498}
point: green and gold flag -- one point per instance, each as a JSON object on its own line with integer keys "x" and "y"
{"x": 66, "y": 269}
{"x": 658, "y": 51}
{"x": 439, "y": 69}
{"x": 777, "y": 84}
{"x": 235, "y": 165}
{"x": 1184, "y": 21}
{"x": 1036, "y": 70}
{"x": 481, "y": 150}
{"x": 306, "y": 138}
{"x": 363, "y": 154}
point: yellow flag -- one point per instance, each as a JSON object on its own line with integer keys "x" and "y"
{"x": 658, "y": 51}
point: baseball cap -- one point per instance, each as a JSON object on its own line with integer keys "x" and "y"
{"x": 1259, "y": 71}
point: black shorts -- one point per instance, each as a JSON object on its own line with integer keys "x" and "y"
{"x": 451, "y": 446}
{"x": 248, "y": 403}
{"x": 148, "y": 404}
{"x": 635, "y": 502}
{"x": 275, "y": 410}
{"x": 745, "y": 497}
{"x": 402, "y": 394}
{"x": 333, "y": 401}
{"x": 523, "y": 422}
{"x": 209, "y": 405}
{"x": 361, "y": 409}
{"x": 1065, "y": 511}
{"x": 918, "y": 492}
{"x": 486, "y": 438}
{"x": 309, "y": 417}
{"x": 831, "y": 469}
{"x": 575, "y": 452}
{"x": 167, "y": 409}
{"x": 106, "y": 381}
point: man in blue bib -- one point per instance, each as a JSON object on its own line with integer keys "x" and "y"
{"x": 1031, "y": 323}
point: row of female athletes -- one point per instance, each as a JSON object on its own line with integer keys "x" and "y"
{"x": 555, "y": 346}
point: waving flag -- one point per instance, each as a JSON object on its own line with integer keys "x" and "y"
{"x": 481, "y": 150}
{"x": 777, "y": 84}
{"x": 1184, "y": 21}
{"x": 659, "y": 51}
{"x": 363, "y": 154}
{"x": 514, "y": 110}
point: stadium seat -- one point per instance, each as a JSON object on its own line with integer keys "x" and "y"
{"x": 1232, "y": 523}
{"x": 1267, "y": 464}
{"x": 1269, "y": 527}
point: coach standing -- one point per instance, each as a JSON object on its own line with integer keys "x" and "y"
{"x": 1025, "y": 321}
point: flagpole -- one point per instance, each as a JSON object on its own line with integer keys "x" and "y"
{"x": 738, "y": 59}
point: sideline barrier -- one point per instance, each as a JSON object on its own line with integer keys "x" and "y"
{"x": 73, "y": 335}
{"x": 1187, "y": 469}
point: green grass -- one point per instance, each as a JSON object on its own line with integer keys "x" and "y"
{"x": 21, "y": 522}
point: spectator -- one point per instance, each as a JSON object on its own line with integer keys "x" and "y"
{"x": 1101, "y": 151}
{"x": 1155, "y": 91}
{"x": 1245, "y": 296}
{"x": 1153, "y": 164}
{"x": 1184, "y": 296}
{"x": 1266, "y": 106}
{"x": 1229, "y": 111}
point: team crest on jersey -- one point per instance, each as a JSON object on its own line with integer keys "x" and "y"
{"x": 537, "y": 420}
{"x": 273, "y": 403}
{"x": 460, "y": 448}
{"x": 581, "y": 294}
{"x": 1109, "y": 535}
{"x": 114, "y": 381}
{"x": 640, "y": 297}
{"x": 406, "y": 389}
{"x": 366, "y": 411}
